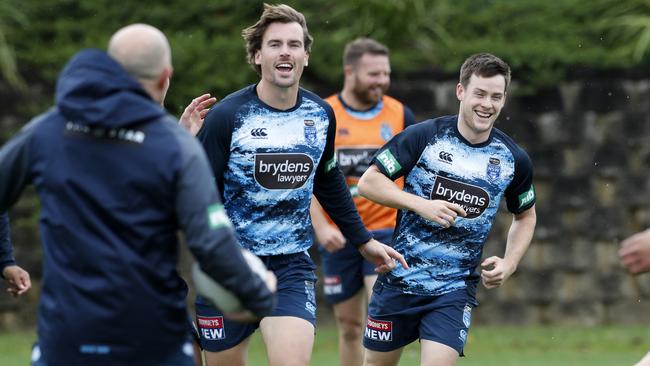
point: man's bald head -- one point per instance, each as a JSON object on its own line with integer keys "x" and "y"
{"x": 145, "y": 54}
{"x": 141, "y": 49}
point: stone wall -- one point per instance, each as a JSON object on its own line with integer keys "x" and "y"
{"x": 589, "y": 139}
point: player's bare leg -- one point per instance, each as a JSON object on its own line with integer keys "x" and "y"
{"x": 236, "y": 356}
{"x": 350, "y": 320}
{"x": 289, "y": 340}
{"x": 375, "y": 358}
{"x": 198, "y": 355}
{"x": 369, "y": 283}
{"x": 437, "y": 354}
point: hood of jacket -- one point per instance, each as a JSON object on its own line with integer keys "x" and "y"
{"x": 93, "y": 89}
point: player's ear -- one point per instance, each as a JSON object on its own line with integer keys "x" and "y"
{"x": 460, "y": 91}
{"x": 258, "y": 57}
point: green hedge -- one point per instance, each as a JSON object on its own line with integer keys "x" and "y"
{"x": 540, "y": 39}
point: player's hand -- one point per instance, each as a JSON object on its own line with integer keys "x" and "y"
{"x": 330, "y": 238}
{"x": 246, "y": 316}
{"x": 635, "y": 252}
{"x": 382, "y": 256}
{"x": 194, "y": 114}
{"x": 18, "y": 279}
{"x": 441, "y": 212}
{"x": 495, "y": 271}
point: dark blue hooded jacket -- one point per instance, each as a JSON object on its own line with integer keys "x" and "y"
{"x": 6, "y": 251}
{"x": 117, "y": 178}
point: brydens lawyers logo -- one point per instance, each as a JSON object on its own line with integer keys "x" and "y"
{"x": 282, "y": 171}
{"x": 354, "y": 162}
{"x": 379, "y": 330}
{"x": 473, "y": 199}
{"x": 211, "y": 327}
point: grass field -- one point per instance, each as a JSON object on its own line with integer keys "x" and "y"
{"x": 487, "y": 346}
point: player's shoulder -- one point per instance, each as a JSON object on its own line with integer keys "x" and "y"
{"x": 236, "y": 99}
{"x": 313, "y": 97}
{"x": 517, "y": 151}
{"x": 225, "y": 110}
{"x": 433, "y": 125}
{"x": 392, "y": 103}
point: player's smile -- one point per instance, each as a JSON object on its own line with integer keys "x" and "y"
{"x": 284, "y": 68}
{"x": 483, "y": 115}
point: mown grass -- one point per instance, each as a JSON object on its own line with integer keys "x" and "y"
{"x": 502, "y": 346}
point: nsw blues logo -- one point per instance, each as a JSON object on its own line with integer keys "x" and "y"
{"x": 386, "y": 133}
{"x": 310, "y": 132}
{"x": 493, "y": 169}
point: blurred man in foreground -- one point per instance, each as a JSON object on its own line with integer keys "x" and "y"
{"x": 117, "y": 177}
{"x": 17, "y": 278}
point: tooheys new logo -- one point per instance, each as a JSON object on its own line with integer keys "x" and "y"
{"x": 474, "y": 200}
{"x": 282, "y": 171}
{"x": 353, "y": 162}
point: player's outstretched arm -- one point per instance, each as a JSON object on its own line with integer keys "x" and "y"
{"x": 382, "y": 256}
{"x": 496, "y": 270}
{"x": 375, "y": 186}
{"x": 194, "y": 114}
{"x": 18, "y": 280}
{"x": 635, "y": 253}
{"x": 327, "y": 235}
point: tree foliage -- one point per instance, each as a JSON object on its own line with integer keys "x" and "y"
{"x": 542, "y": 40}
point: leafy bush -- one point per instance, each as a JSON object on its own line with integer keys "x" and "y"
{"x": 543, "y": 41}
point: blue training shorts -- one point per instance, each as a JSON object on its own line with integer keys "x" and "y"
{"x": 344, "y": 270}
{"x": 296, "y": 297}
{"x": 396, "y": 319}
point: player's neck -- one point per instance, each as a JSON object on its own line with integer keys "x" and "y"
{"x": 472, "y": 136}
{"x": 353, "y": 102}
{"x": 277, "y": 97}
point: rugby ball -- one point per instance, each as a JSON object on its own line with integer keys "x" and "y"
{"x": 223, "y": 299}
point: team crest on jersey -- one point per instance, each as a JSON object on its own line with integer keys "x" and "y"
{"x": 493, "y": 169}
{"x": 386, "y": 132}
{"x": 343, "y": 132}
{"x": 379, "y": 330}
{"x": 310, "y": 132}
{"x": 211, "y": 327}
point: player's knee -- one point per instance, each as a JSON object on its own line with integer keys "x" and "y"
{"x": 294, "y": 360}
{"x": 350, "y": 329}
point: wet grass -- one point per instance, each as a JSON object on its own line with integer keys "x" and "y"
{"x": 503, "y": 346}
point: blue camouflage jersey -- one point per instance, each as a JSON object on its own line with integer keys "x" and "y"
{"x": 267, "y": 162}
{"x": 438, "y": 163}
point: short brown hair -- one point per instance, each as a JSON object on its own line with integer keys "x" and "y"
{"x": 272, "y": 14}
{"x": 359, "y": 47}
{"x": 484, "y": 65}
